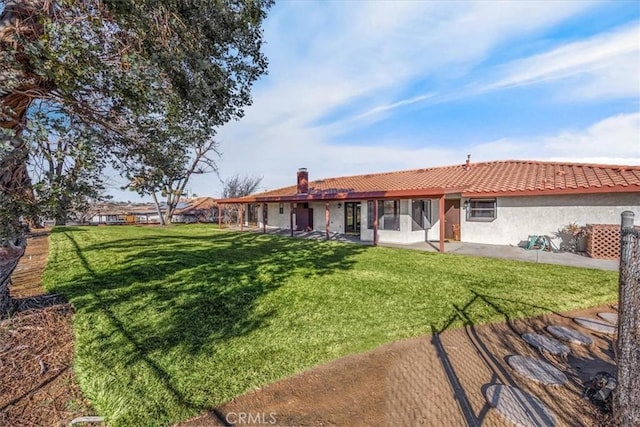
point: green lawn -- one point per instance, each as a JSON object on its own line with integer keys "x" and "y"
{"x": 172, "y": 321}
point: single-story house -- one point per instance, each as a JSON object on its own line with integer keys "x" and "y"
{"x": 195, "y": 209}
{"x": 499, "y": 202}
{"x": 114, "y": 213}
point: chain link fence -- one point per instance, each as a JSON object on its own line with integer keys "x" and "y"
{"x": 627, "y": 399}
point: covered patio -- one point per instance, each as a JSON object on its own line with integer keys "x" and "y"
{"x": 301, "y": 214}
{"x": 404, "y": 216}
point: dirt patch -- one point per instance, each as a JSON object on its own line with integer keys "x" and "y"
{"x": 431, "y": 380}
{"x": 26, "y": 280}
{"x": 37, "y": 385}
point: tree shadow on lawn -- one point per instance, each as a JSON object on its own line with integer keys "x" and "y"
{"x": 204, "y": 289}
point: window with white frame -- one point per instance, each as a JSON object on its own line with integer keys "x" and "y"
{"x": 481, "y": 209}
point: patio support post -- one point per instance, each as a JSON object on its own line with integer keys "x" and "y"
{"x": 264, "y": 218}
{"x": 219, "y": 217}
{"x": 327, "y": 217}
{"x": 291, "y": 218}
{"x": 441, "y": 219}
{"x": 375, "y": 223}
{"x": 241, "y": 216}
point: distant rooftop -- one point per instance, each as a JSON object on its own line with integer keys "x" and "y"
{"x": 185, "y": 207}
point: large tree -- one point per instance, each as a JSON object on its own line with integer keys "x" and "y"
{"x": 237, "y": 186}
{"x": 66, "y": 163}
{"x": 109, "y": 62}
{"x": 163, "y": 166}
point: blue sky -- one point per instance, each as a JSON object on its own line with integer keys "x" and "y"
{"x": 371, "y": 86}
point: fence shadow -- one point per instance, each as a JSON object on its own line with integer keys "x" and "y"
{"x": 492, "y": 346}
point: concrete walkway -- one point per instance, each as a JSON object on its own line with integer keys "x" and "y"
{"x": 474, "y": 249}
{"x": 516, "y": 253}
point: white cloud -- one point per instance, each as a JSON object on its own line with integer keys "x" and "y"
{"x": 338, "y": 66}
{"x": 606, "y": 65}
{"x": 363, "y": 56}
{"x": 613, "y": 140}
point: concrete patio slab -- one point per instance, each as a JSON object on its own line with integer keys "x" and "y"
{"x": 473, "y": 249}
{"x": 515, "y": 253}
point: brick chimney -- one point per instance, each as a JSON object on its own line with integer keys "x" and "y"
{"x": 303, "y": 181}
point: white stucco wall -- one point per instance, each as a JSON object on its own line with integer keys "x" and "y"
{"x": 336, "y": 220}
{"x": 519, "y": 217}
{"x": 274, "y": 217}
{"x": 281, "y": 220}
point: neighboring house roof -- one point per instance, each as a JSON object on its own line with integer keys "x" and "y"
{"x": 486, "y": 179}
{"x": 123, "y": 208}
{"x": 196, "y": 206}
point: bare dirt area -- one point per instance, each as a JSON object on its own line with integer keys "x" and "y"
{"x": 37, "y": 386}
{"x": 26, "y": 280}
{"x": 434, "y": 380}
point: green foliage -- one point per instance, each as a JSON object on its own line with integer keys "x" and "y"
{"x": 170, "y": 322}
{"x": 144, "y": 72}
{"x": 113, "y": 61}
{"x": 166, "y": 163}
{"x": 66, "y": 163}
{"x": 16, "y": 200}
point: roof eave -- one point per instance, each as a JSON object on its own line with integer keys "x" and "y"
{"x": 554, "y": 192}
{"x": 361, "y": 195}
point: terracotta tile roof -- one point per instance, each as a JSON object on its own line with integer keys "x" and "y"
{"x": 197, "y": 205}
{"x": 499, "y": 178}
{"x": 194, "y": 206}
{"x": 125, "y": 208}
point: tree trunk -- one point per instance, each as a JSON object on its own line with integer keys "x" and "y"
{"x": 61, "y": 211}
{"x": 172, "y": 204}
{"x": 10, "y": 255}
{"x": 15, "y": 196}
{"x": 16, "y": 24}
{"x": 155, "y": 200}
{"x": 627, "y": 395}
